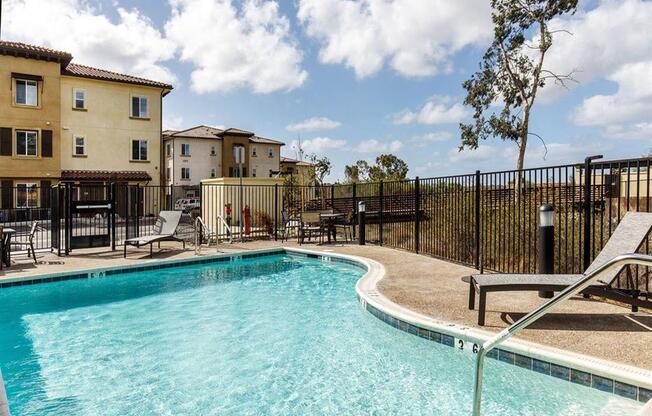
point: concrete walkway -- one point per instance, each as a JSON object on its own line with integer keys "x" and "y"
{"x": 434, "y": 288}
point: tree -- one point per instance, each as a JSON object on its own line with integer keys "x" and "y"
{"x": 387, "y": 168}
{"x": 512, "y": 73}
{"x": 322, "y": 167}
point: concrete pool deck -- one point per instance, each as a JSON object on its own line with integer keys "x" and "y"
{"x": 431, "y": 287}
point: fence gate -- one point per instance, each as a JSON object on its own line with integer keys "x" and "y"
{"x": 85, "y": 217}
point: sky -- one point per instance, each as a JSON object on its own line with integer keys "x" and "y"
{"x": 351, "y": 79}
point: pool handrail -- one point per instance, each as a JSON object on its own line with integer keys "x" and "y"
{"x": 505, "y": 334}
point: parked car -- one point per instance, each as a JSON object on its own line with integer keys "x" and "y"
{"x": 186, "y": 204}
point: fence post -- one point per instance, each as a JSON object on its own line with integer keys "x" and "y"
{"x": 201, "y": 212}
{"x": 333, "y": 197}
{"x": 68, "y": 229}
{"x": 354, "y": 208}
{"x": 275, "y": 212}
{"x": 476, "y": 260}
{"x": 380, "y": 211}
{"x": 587, "y": 210}
{"x": 137, "y": 226}
{"x": 112, "y": 215}
{"x": 417, "y": 214}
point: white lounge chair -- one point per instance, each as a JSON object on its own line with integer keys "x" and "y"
{"x": 164, "y": 229}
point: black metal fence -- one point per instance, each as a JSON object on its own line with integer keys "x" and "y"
{"x": 488, "y": 220}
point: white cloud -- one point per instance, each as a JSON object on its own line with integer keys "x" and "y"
{"x": 250, "y": 47}
{"x": 483, "y": 153}
{"x": 428, "y": 138}
{"x": 642, "y": 130}
{"x": 319, "y": 145}
{"x": 632, "y": 101}
{"x": 172, "y": 122}
{"x": 415, "y": 38}
{"x": 132, "y": 45}
{"x": 374, "y": 146}
{"x": 313, "y": 124}
{"x": 438, "y": 109}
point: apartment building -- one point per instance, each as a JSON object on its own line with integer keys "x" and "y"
{"x": 60, "y": 121}
{"x": 204, "y": 152}
{"x": 302, "y": 172}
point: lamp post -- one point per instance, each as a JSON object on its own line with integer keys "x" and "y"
{"x": 362, "y": 208}
{"x": 546, "y": 244}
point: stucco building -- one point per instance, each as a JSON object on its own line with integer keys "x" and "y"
{"x": 60, "y": 121}
{"x": 204, "y": 152}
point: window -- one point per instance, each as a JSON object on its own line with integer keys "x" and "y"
{"x": 212, "y": 150}
{"x": 139, "y": 107}
{"x": 79, "y": 99}
{"x": 253, "y": 172}
{"x": 271, "y": 172}
{"x": 168, "y": 173}
{"x": 26, "y": 195}
{"x": 185, "y": 173}
{"x": 254, "y": 153}
{"x": 168, "y": 149}
{"x": 80, "y": 146}
{"x": 213, "y": 172}
{"x": 26, "y": 92}
{"x": 185, "y": 149}
{"x": 270, "y": 152}
{"x": 139, "y": 150}
{"x": 26, "y": 143}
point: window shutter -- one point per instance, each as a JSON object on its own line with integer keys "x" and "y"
{"x": 7, "y": 197}
{"x": 45, "y": 194}
{"x": 230, "y": 172}
{"x": 244, "y": 172}
{"x": 46, "y": 143}
{"x": 5, "y": 141}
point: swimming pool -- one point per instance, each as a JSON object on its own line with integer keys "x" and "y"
{"x": 276, "y": 334}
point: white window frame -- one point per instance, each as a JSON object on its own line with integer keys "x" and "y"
{"x": 140, "y": 156}
{"x": 74, "y": 145}
{"x": 27, "y": 204}
{"x": 168, "y": 149}
{"x": 74, "y": 98}
{"x": 213, "y": 150}
{"x": 141, "y": 114}
{"x": 26, "y": 154}
{"x": 270, "y": 152}
{"x": 253, "y": 172}
{"x": 213, "y": 172}
{"x": 185, "y": 177}
{"x": 254, "y": 151}
{"x": 187, "y": 146}
{"x": 27, "y": 82}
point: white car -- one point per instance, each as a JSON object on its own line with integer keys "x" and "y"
{"x": 186, "y": 204}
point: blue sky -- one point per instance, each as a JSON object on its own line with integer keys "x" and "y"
{"x": 377, "y": 75}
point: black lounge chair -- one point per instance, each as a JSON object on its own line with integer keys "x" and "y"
{"x": 164, "y": 229}
{"x": 629, "y": 235}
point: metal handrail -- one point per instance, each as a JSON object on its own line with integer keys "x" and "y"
{"x": 504, "y": 335}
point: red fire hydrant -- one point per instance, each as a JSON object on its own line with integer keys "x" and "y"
{"x": 247, "y": 219}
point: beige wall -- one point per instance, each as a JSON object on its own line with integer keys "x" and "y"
{"x": 262, "y": 162}
{"x": 200, "y": 161}
{"x": 108, "y": 128}
{"x": 302, "y": 171}
{"x": 46, "y": 116}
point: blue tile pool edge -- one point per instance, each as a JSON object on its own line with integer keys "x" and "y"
{"x": 571, "y": 375}
{"x": 222, "y": 257}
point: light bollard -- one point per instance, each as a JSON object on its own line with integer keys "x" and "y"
{"x": 362, "y": 208}
{"x": 546, "y": 244}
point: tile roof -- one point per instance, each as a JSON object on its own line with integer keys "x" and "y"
{"x": 34, "y": 52}
{"x": 104, "y": 175}
{"x": 295, "y": 161}
{"x": 198, "y": 132}
{"x": 101, "y": 74}
{"x": 238, "y": 132}
{"x": 258, "y": 139}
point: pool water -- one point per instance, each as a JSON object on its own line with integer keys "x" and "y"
{"x": 274, "y": 335}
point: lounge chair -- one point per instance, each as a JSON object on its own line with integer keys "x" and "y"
{"x": 20, "y": 242}
{"x": 164, "y": 230}
{"x": 629, "y": 235}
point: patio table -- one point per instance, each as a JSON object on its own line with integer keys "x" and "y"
{"x": 5, "y": 246}
{"x": 329, "y": 220}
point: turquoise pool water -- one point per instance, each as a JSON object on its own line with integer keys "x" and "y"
{"x": 276, "y": 335}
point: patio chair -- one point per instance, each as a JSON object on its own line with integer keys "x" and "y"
{"x": 629, "y": 235}
{"x": 290, "y": 223}
{"x": 29, "y": 243}
{"x": 164, "y": 229}
{"x": 310, "y": 225}
{"x": 346, "y": 225}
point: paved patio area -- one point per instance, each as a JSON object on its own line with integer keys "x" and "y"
{"x": 434, "y": 288}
